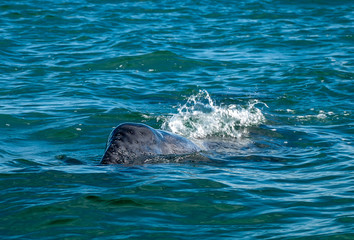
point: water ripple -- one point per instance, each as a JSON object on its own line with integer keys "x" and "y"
{"x": 276, "y": 118}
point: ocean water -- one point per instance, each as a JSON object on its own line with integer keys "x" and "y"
{"x": 264, "y": 87}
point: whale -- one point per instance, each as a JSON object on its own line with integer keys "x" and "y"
{"x": 138, "y": 143}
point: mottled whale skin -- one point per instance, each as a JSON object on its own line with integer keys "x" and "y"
{"x": 133, "y": 143}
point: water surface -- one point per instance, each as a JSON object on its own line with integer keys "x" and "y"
{"x": 265, "y": 86}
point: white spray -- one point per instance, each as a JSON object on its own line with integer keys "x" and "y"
{"x": 201, "y": 118}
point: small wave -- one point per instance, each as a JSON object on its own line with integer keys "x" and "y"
{"x": 200, "y": 118}
{"x": 159, "y": 61}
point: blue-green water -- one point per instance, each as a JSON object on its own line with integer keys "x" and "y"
{"x": 265, "y": 87}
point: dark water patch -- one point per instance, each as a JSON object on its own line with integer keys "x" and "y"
{"x": 205, "y": 184}
{"x": 122, "y": 202}
{"x": 23, "y": 163}
{"x": 69, "y": 160}
{"x": 59, "y": 135}
{"x": 162, "y": 61}
{"x": 260, "y": 158}
{"x": 110, "y": 117}
{"x": 62, "y": 221}
{"x": 10, "y": 121}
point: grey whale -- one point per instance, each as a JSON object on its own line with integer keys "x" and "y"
{"x": 136, "y": 143}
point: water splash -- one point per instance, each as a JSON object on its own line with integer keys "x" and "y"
{"x": 201, "y": 118}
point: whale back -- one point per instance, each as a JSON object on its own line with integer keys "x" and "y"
{"x": 131, "y": 143}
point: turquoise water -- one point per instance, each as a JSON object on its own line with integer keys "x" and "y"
{"x": 264, "y": 87}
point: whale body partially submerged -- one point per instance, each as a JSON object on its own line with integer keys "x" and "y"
{"x": 136, "y": 143}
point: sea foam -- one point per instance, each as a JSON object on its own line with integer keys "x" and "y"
{"x": 200, "y": 117}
